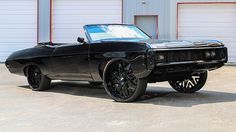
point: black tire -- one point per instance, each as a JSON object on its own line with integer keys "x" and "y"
{"x": 37, "y": 81}
{"x": 120, "y": 82}
{"x": 96, "y": 83}
{"x": 190, "y": 85}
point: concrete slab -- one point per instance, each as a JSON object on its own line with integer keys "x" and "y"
{"x": 73, "y": 106}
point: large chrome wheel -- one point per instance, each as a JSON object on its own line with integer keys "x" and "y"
{"x": 190, "y": 85}
{"x": 37, "y": 81}
{"x": 120, "y": 82}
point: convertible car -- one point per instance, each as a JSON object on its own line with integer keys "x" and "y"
{"x": 121, "y": 57}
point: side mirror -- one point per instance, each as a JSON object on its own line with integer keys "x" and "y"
{"x": 80, "y": 40}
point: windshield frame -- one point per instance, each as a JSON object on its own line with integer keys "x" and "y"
{"x": 90, "y": 39}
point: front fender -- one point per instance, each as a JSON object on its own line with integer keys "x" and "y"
{"x": 138, "y": 65}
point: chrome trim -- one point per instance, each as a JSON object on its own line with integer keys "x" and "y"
{"x": 194, "y": 48}
{"x": 199, "y": 62}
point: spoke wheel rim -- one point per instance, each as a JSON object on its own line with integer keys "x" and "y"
{"x": 121, "y": 82}
{"x": 191, "y": 84}
{"x": 34, "y": 77}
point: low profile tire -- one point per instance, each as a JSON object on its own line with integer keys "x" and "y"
{"x": 37, "y": 81}
{"x": 120, "y": 82}
{"x": 190, "y": 85}
{"x": 96, "y": 83}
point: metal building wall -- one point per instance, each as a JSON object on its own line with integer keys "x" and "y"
{"x": 152, "y": 7}
{"x": 44, "y": 21}
{"x": 166, "y": 9}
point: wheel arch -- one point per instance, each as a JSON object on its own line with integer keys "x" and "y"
{"x": 138, "y": 64}
{"x": 27, "y": 65}
{"x": 109, "y": 63}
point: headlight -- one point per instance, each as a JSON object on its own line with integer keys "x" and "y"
{"x": 161, "y": 57}
{"x": 210, "y": 54}
{"x": 207, "y": 54}
{"x": 213, "y": 54}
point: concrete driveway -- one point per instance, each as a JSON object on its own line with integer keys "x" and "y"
{"x": 71, "y": 106}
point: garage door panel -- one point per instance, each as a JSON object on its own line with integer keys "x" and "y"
{"x": 203, "y": 18}
{"x": 69, "y": 35}
{"x": 16, "y": 35}
{"x": 207, "y": 36}
{"x": 69, "y": 17}
{"x": 85, "y": 3}
{"x": 214, "y": 13}
{"x": 24, "y": 18}
{"x": 204, "y": 21}
{"x": 222, "y": 39}
{"x": 85, "y": 18}
{"x": 209, "y": 28}
{"x": 18, "y": 31}
{"x": 10, "y": 47}
{"x": 20, "y": 41}
{"x": 18, "y": 26}
{"x": 85, "y": 13}
{"x": 210, "y": 8}
{"x": 15, "y": 13}
{"x": 208, "y": 20}
{"x": 209, "y": 31}
{"x": 198, "y": 38}
{"x": 83, "y": 8}
{"x": 14, "y": 26}
{"x": 228, "y": 25}
{"x": 30, "y": 4}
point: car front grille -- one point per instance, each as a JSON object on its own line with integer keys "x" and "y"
{"x": 168, "y": 56}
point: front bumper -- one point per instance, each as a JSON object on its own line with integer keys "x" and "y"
{"x": 200, "y": 62}
{"x": 169, "y": 69}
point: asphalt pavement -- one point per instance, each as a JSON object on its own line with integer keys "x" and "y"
{"x": 79, "y": 107}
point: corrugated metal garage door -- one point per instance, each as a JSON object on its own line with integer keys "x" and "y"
{"x": 209, "y": 21}
{"x": 18, "y": 25}
{"x": 69, "y": 17}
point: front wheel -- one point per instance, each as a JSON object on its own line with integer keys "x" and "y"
{"x": 120, "y": 82}
{"x": 190, "y": 85}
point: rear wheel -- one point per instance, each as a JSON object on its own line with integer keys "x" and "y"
{"x": 190, "y": 85}
{"x": 120, "y": 82}
{"x": 37, "y": 81}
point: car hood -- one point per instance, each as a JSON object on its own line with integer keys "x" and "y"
{"x": 153, "y": 43}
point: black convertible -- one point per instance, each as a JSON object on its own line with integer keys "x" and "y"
{"x": 121, "y": 57}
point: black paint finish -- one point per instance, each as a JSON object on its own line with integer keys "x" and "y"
{"x": 87, "y": 61}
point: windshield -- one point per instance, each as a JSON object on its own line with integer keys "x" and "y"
{"x": 115, "y": 32}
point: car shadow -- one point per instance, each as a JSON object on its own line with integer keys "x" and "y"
{"x": 76, "y": 89}
{"x": 165, "y": 96}
{"x": 168, "y": 97}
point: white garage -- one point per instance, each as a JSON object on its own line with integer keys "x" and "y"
{"x": 209, "y": 21}
{"x": 18, "y": 26}
{"x": 69, "y": 17}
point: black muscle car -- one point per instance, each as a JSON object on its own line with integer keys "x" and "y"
{"x": 121, "y": 57}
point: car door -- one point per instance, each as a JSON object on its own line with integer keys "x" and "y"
{"x": 71, "y": 62}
